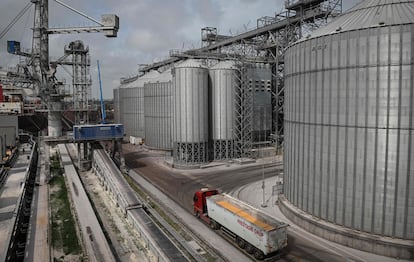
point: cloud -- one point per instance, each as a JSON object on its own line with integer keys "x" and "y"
{"x": 148, "y": 30}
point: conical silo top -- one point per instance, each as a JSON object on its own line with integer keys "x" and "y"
{"x": 226, "y": 64}
{"x": 368, "y": 14}
{"x": 190, "y": 63}
{"x": 146, "y": 78}
{"x": 165, "y": 76}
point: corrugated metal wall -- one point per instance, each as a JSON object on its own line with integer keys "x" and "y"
{"x": 223, "y": 87}
{"x": 190, "y": 102}
{"x": 158, "y": 115}
{"x": 349, "y": 129}
{"x": 259, "y": 77}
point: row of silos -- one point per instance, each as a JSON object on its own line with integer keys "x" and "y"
{"x": 130, "y": 102}
{"x": 190, "y": 109}
{"x": 349, "y": 126}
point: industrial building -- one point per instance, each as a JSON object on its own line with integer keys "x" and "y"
{"x": 346, "y": 93}
{"x": 349, "y": 129}
{"x": 337, "y": 103}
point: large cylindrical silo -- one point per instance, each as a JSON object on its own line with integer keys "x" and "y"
{"x": 190, "y": 101}
{"x": 223, "y": 86}
{"x": 349, "y": 129}
{"x": 158, "y": 112}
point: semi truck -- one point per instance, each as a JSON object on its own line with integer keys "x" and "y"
{"x": 253, "y": 230}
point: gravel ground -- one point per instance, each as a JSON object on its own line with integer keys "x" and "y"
{"x": 127, "y": 245}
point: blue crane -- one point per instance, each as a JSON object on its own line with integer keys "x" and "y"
{"x": 102, "y": 101}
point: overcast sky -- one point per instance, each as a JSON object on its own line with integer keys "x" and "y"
{"x": 148, "y": 30}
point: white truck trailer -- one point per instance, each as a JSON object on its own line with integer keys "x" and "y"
{"x": 252, "y": 229}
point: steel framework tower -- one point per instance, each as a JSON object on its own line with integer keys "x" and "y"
{"x": 243, "y": 129}
{"x": 46, "y": 85}
{"x": 81, "y": 81}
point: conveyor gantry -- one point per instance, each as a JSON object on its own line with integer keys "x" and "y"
{"x": 311, "y": 9}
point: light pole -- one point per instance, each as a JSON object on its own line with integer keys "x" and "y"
{"x": 263, "y": 176}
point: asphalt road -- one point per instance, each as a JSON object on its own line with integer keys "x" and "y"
{"x": 180, "y": 186}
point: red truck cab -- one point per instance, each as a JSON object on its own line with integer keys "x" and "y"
{"x": 199, "y": 202}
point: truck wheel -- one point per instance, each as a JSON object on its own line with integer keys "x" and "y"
{"x": 258, "y": 254}
{"x": 214, "y": 225}
{"x": 249, "y": 248}
{"x": 241, "y": 243}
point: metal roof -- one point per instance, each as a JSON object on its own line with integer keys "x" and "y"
{"x": 165, "y": 76}
{"x": 190, "y": 63}
{"x": 224, "y": 65}
{"x": 140, "y": 81}
{"x": 370, "y": 13}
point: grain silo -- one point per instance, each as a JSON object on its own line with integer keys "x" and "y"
{"x": 128, "y": 104}
{"x": 137, "y": 102}
{"x": 158, "y": 112}
{"x": 131, "y": 104}
{"x": 349, "y": 129}
{"x": 190, "y": 103}
{"x": 223, "y": 85}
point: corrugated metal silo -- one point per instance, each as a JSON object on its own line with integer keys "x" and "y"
{"x": 129, "y": 98}
{"x": 136, "y": 106}
{"x": 223, "y": 84}
{"x": 131, "y": 105}
{"x": 349, "y": 126}
{"x": 158, "y": 112}
{"x": 190, "y": 101}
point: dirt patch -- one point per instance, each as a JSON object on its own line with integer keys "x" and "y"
{"x": 128, "y": 246}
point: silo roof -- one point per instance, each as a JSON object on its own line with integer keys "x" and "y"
{"x": 370, "y": 13}
{"x": 224, "y": 65}
{"x": 140, "y": 81}
{"x": 190, "y": 63}
{"x": 164, "y": 76}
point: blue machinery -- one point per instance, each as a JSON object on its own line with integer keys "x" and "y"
{"x": 97, "y": 132}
